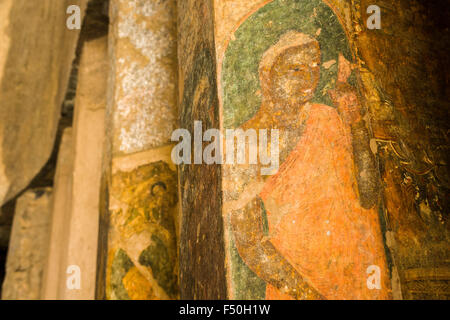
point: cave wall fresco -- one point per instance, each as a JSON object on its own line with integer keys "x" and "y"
{"x": 387, "y": 193}
{"x": 283, "y": 26}
{"x": 412, "y": 206}
{"x": 408, "y": 121}
{"x": 140, "y": 221}
{"x": 143, "y": 254}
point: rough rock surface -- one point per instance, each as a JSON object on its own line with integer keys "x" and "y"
{"x": 35, "y": 61}
{"x": 28, "y": 246}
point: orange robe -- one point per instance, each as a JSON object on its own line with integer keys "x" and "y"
{"x": 320, "y": 228}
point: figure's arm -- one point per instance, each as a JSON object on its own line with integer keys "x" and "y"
{"x": 345, "y": 98}
{"x": 262, "y": 257}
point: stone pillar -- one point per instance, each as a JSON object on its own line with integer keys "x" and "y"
{"x": 89, "y": 132}
{"x": 202, "y": 251}
{"x": 75, "y": 225}
{"x": 140, "y": 181}
{"x": 28, "y": 246}
{"x": 55, "y": 271}
{"x": 35, "y": 62}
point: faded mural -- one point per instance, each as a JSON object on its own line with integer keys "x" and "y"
{"x": 409, "y": 119}
{"x": 142, "y": 262}
{"x": 312, "y": 230}
{"x": 358, "y": 207}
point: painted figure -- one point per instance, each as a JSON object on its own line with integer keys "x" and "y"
{"x": 143, "y": 266}
{"x": 311, "y": 231}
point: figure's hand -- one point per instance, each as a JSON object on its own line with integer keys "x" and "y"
{"x": 345, "y": 99}
{"x": 344, "y": 95}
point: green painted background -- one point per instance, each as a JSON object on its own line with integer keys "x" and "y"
{"x": 240, "y": 76}
{"x": 240, "y": 80}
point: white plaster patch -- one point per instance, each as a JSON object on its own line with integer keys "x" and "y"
{"x": 145, "y": 113}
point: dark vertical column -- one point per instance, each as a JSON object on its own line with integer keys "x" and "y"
{"x": 202, "y": 253}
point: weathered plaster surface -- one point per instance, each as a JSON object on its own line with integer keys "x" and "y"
{"x": 28, "y": 248}
{"x": 143, "y": 40}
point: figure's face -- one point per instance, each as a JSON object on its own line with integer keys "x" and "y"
{"x": 295, "y": 75}
{"x": 149, "y": 191}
